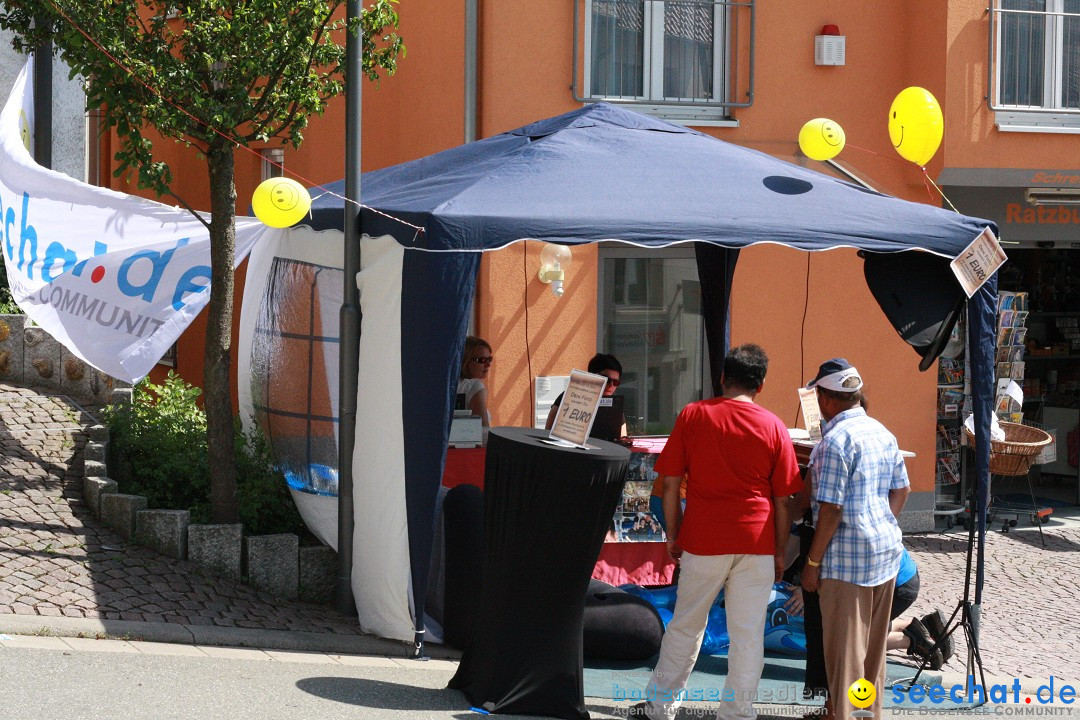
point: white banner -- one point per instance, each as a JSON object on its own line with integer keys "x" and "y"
{"x": 113, "y": 277}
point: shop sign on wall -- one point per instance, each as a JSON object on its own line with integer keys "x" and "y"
{"x": 632, "y": 337}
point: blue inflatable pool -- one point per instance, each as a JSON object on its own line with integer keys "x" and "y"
{"x": 783, "y": 632}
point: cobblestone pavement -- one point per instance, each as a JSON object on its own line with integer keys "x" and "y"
{"x": 1031, "y": 596}
{"x": 57, "y": 560}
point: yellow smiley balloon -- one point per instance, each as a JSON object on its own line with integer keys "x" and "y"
{"x": 821, "y": 139}
{"x": 862, "y": 693}
{"x": 280, "y": 202}
{"x": 916, "y": 125}
{"x": 24, "y": 129}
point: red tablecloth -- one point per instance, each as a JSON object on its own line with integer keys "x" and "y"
{"x": 464, "y": 466}
{"x": 640, "y": 563}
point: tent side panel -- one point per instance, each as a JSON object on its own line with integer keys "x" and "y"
{"x": 982, "y": 339}
{"x": 380, "y": 575}
{"x": 436, "y": 296}
{"x": 716, "y": 272}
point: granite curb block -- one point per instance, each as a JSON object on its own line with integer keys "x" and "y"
{"x": 118, "y": 512}
{"x": 219, "y": 636}
{"x": 271, "y": 563}
{"x": 93, "y": 489}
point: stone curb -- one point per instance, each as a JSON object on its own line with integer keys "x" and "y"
{"x": 218, "y": 636}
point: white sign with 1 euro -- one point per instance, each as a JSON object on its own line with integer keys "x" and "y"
{"x": 577, "y": 412}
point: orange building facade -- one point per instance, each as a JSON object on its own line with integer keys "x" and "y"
{"x": 801, "y": 307}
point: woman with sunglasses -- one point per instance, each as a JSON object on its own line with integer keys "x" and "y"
{"x": 610, "y": 367}
{"x": 475, "y": 364}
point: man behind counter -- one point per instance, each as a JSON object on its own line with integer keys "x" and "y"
{"x": 610, "y": 422}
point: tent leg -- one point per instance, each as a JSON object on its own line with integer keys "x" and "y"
{"x": 418, "y": 646}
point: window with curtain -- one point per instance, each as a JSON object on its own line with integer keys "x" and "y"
{"x": 656, "y": 50}
{"x": 1038, "y": 54}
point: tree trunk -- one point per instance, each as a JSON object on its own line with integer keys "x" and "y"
{"x": 216, "y": 370}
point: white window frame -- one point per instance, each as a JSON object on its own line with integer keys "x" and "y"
{"x": 1050, "y": 116}
{"x": 271, "y": 162}
{"x": 694, "y": 111}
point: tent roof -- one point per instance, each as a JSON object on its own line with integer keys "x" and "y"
{"x": 606, "y": 173}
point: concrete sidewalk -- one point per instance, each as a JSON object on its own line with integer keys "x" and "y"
{"x": 65, "y": 574}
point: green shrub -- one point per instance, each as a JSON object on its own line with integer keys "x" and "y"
{"x": 266, "y": 506}
{"x": 158, "y": 450}
{"x": 7, "y": 303}
{"x": 159, "y": 444}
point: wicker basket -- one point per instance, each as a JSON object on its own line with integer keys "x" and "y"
{"x": 1015, "y": 454}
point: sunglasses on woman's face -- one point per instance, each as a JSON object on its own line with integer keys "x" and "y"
{"x": 484, "y": 360}
{"x": 613, "y": 382}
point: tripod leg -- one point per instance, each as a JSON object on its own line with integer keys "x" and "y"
{"x": 974, "y": 660}
{"x": 950, "y": 628}
{"x": 1035, "y": 510}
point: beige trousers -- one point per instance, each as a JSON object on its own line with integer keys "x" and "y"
{"x": 746, "y": 581}
{"x": 855, "y": 628}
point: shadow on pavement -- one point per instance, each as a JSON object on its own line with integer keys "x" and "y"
{"x": 378, "y": 694}
{"x": 382, "y": 695}
{"x": 1054, "y": 542}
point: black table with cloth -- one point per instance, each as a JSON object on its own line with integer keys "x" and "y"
{"x": 546, "y": 512}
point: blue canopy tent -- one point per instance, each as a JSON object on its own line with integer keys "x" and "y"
{"x": 598, "y": 173}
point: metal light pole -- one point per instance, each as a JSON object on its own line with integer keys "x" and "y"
{"x": 43, "y": 101}
{"x": 350, "y": 310}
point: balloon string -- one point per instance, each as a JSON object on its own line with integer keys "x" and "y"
{"x": 212, "y": 129}
{"x": 929, "y": 192}
{"x": 926, "y": 175}
{"x": 420, "y": 230}
{"x": 943, "y": 195}
{"x": 875, "y": 152}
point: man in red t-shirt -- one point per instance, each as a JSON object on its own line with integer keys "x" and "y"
{"x": 741, "y": 474}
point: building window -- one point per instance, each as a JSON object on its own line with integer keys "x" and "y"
{"x": 273, "y": 162}
{"x": 1037, "y": 77}
{"x": 672, "y": 58}
{"x": 169, "y": 358}
{"x": 650, "y": 319}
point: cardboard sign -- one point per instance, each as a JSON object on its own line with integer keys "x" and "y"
{"x": 811, "y": 413}
{"x": 978, "y": 262}
{"x": 578, "y": 409}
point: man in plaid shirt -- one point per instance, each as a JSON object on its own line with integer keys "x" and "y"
{"x": 859, "y": 487}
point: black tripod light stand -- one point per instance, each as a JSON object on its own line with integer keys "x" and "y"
{"x": 963, "y": 616}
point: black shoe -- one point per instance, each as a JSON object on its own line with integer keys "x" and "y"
{"x": 921, "y": 644}
{"x": 638, "y": 711}
{"x": 935, "y": 625}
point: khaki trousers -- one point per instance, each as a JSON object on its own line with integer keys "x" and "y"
{"x": 746, "y": 581}
{"x": 855, "y": 628}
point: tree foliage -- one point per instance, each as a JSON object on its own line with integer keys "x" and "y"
{"x": 198, "y": 71}
{"x": 215, "y": 75}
